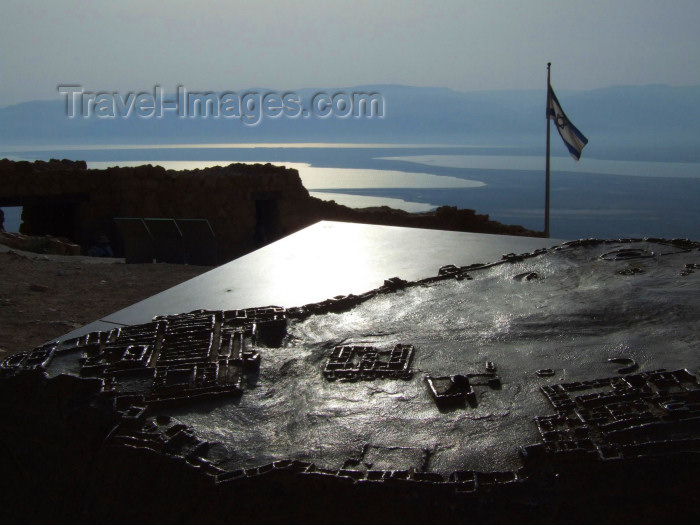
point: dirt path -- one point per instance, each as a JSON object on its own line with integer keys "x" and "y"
{"x": 43, "y": 297}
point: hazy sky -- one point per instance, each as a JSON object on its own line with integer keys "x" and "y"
{"x": 131, "y": 45}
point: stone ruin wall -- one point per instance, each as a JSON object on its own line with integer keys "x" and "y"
{"x": 225, "y": 196}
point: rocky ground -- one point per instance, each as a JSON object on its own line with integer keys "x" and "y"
{"x": 45, "y": 296}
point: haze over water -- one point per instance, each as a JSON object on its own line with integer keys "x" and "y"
{"x": 482, "y": 66}
{"x": 591, "y": 198}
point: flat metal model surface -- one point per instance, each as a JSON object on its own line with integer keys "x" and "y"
{"x": 480, "y": 376}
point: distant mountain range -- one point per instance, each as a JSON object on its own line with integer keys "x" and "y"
{"x": 654, "y": 122}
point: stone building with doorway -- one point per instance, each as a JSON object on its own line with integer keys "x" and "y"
{"x": 246, "y": 205}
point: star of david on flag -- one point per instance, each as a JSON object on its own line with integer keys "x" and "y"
{"x": 572, "y": 137}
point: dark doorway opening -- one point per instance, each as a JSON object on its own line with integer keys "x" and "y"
{"x": 55, "y": 219}
{"x": 266, "y": 219}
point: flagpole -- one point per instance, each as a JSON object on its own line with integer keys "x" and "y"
{"x": 546, "y": 191}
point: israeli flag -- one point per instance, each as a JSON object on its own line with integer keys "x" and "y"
{"x": 572, "y": 137}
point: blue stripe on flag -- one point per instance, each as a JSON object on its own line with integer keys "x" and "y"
{"x": 572, "y": 137}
